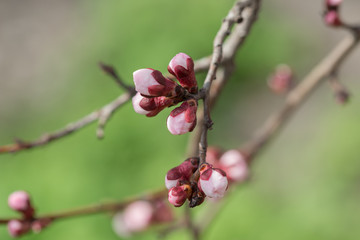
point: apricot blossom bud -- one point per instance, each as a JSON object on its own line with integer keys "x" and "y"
{"x": 172, "y": 177}
{"x": 136, "y": 217}
{"x": 38, "y": 225}
{"x": 332, "y": 18}
{"x": 181, "y": 172}
{"x": 281, "y": 80}
{"x": 182, "y": 67}
{"x": 234, "y": 164}
{"x": 178, "y": 195}
{"x": 213, "y": 182}
{"x": 16, "y": 228}
{"x": 332, "y": 4}
{"x": 19, "y": 201}
{"x": 150, "y": 82}
{"x": 183, "y": 119}
{"x": 150, "y": 106}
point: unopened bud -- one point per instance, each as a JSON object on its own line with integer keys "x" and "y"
{"x": 182, "y": 67}
{"x": 183, "y": 119}
{"x": 182, "y": 172}
{"x": 17, "y": 228}
{"x": 136, "y": 217}
{"x": 150, "y": 82}
{"x": 150, "y": 106}
{"x": 213, "y": 182}
{"x": 234, "y": 164}
{"x": 172, "y": 177}
{"x": 178, "y": 195}
{"x": 38, "y": 225}
{"x": 332, "y": 18}
{"x": 281, "y": 80}
{"x": 20, "y": 201}
{"x": 332, "y": 4}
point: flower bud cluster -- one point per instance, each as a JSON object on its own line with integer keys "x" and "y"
{"x": 20, "y": 202}
{"x": 177, "y": 181}
{"x": 156, "y": 92}
{"x": 332, "y": 17}
{"x": 140, "y": 215}
{"x": 212, "y": 183}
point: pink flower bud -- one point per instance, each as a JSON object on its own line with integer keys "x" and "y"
{"x": 178, "y": 195}
{"x": 332, "y": 3}
{"x": 150, "y": 82}
{"x": 188, "y": 167}
{"x": 19, "y": 201}
{"x": 172, "y": 177}
{"x": 183, "y": 119}
{"x": 136, "y": 217}
{"x": 332, "y": 18}
{"x": 17, "y": 228}
{"x": 38, "y": 225}
{"x": 150, "y": 106}
{"x": 119, "y": 227}
{"x": 182, "y": 172}
{"x": 213, "y": 182}
{"x": 281, "y": 80}
{"x": 182, "y": 67}
{"x": 234, "y": 164}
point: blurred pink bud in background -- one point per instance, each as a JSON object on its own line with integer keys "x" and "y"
{"x": 234, "y": 164}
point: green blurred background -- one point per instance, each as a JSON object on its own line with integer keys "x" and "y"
{"x": 305, "y": 184}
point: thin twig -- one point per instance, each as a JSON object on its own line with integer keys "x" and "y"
{"x": 112, "y": 73}
{"x": 234, "y": 15}
{"x": 300, "y": 93}
{"x": 190, "y": 224}
{"x": 102, "y": 113}
{"x": 98, "y": 208}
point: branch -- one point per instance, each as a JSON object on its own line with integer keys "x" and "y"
{"x": 234, "y": 16}
{"x": 299, "y": 94}
{"x": 103, "y": 114}
{"x": 112, "y": 73}
{"x": 97, "y": 208}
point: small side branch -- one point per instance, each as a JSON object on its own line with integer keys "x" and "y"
{"x": 102, "y": 114}
{"x": 98, "y": 208}
{"x": 300, "y": 93}
{"x": 112, "y": 73}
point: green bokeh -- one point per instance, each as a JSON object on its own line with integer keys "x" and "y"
{"x": 312, "y": 192}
